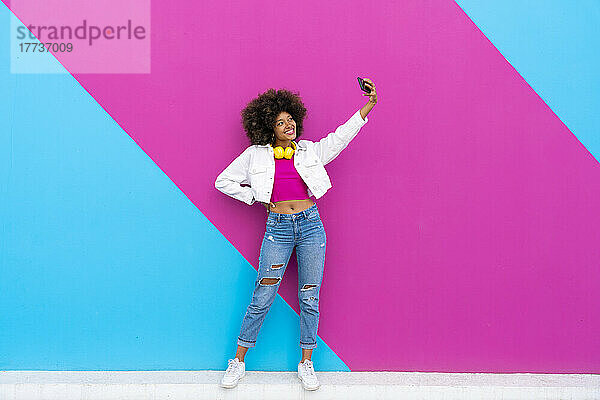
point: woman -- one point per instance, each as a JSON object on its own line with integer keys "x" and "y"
{"x": 283, "y": 175}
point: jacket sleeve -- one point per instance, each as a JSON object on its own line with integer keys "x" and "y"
{"x": 230, "y": 180}
{"x": 332, "y": 145}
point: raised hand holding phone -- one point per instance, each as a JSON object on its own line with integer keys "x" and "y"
{"x": 368, "y": 86}
{"x": 363, "y": 86}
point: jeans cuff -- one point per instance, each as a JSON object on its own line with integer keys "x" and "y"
{"x": 308, "y": 346}
{"x": 242, "y": 342}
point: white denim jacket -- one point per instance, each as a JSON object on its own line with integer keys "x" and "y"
{"x": 256, "y": 165}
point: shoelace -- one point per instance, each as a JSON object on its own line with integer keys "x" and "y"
{"x": 232, "y": 365}
{"x": 308, "y": 367}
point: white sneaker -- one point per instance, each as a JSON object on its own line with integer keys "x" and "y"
{"x": 235, "y": 371}
{"x": 306, "y": 373}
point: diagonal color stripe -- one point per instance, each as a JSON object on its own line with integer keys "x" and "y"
{"x": 104, "y": 263}
{"x": 462, "y": 222}
{"x": 555, "y": 46}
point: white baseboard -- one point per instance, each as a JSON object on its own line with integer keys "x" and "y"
{"x": 199, "y": 385}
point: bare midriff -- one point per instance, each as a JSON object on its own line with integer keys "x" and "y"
{"x": 291, "y": 206}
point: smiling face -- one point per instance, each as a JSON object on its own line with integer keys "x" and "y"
{"x": 285, "y": 129}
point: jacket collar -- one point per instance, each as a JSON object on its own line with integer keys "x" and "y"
{"x": 299, "y": 145}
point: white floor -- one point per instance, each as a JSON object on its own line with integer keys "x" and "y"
{"x": 197, "y": 385}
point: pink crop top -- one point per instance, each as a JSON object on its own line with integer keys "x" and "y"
{"x": 288, "y": 184}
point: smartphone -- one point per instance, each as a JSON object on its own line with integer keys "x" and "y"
{"x": 363, "y": 85}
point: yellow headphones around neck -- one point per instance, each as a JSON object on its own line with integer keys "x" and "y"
{"x": 287, "y": 153}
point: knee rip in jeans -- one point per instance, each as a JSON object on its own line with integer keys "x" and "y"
{"x": 269, "y": 281}
{"x": 276, "y": 266}
{"x": 308, "y": 287}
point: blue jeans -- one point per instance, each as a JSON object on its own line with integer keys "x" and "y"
{"x": 305, "y": 231}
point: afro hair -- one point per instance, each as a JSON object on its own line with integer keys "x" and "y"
{"x": 258, "y": 118}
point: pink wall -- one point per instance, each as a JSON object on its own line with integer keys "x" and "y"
{"x": 463, "y": 220}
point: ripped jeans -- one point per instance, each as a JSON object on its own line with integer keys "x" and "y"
{"x": 284, "y": 231}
